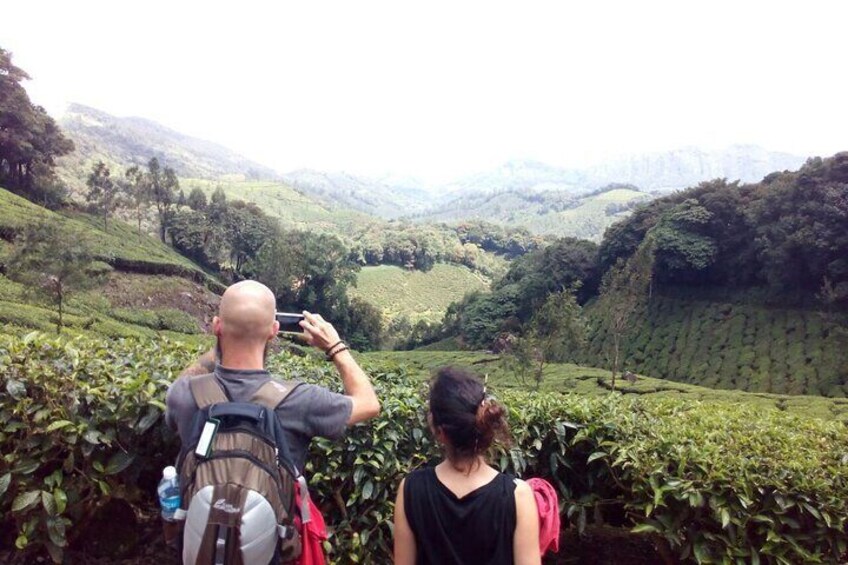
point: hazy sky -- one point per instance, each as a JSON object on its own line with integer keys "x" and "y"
{"x": 438, "y": 89}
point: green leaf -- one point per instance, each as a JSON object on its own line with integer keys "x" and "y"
{"x": 48, "y": 502}
{"x": 61, "y": 500}
{"x": 645, "y": 529}
{"x": 29, "y": 337}
{"x": 25, "y": 500}
{"x": 148, "y": 420}
{"x": 58, "y": 425}
{"x": 701, "y": 554}
{"x": 5, "y": 481}
{"x": 56, "y": 531}
{"x": 92, "y": 437}
{"x": 21, "y": 542}
{"x": 16, "y": 389}
{"x": 725, "y": 518}
{"x": 27, "y": 467}
{"x": 118, "y": 462}
{"x": 367, "y": 490}
{"x": 596, "y": 455}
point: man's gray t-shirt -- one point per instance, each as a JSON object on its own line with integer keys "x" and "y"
{"x": 308, "y": 411}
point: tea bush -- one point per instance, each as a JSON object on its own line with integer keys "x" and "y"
{"x": 763, "y": 349}
{"x": 718, "y": 482}
{"x": 80, "y": 423}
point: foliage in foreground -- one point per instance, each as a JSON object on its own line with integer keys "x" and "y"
{"x": 716, "y": 482}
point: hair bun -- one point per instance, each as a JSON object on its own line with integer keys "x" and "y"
{"x": 490, "y": 423}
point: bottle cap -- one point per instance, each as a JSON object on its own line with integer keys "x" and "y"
{"x": 169, "y": 472}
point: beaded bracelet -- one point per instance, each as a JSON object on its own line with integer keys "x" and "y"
{"x": 337, "y": 351}
{"x": 332, "y": 350}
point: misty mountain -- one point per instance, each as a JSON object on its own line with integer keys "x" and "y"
{"x": 122, "y": 142}
{"x": 552, "y": 212}
{"x": 359, "y": 193}
{"x": 531, "y": 176}
{"x": 663, "y": 171}
{"x": 686, "y": 167}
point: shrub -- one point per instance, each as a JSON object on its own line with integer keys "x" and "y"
{"x": 719, "y": 482}
{"x": 79, "y": 425}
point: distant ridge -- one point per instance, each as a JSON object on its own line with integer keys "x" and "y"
{"x": 663, "y": 171}
{"x": 122, "y": 142}
{"x": 359, "y": 193}
{"x": 689, "y": 166}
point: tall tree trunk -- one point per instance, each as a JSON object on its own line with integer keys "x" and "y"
{"x": 60, "y": 322}
{"x": 615, "y": 347}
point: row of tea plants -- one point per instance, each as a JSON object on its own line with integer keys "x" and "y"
{"x": 715, "y": 483}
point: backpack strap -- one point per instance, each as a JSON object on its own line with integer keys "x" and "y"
{"x": 272, "y": 393}
{"x": 206, "y": 390}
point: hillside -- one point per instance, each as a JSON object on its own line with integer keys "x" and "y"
{"x": 732, "y": 342}
{"x": 343, "y": 190}
{"x": 556, "y": 213}
{"x": 124, "y": 141}
{"x": 418, "y": 295}
{"x": 589, "y": 381}
{"x": 147, "y": 285}
{"x": 688, "y": 166}
{"x": 292, "y": 207}
{"x": 666, "y": 170}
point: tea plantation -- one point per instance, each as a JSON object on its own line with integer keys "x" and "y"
{"x": 732, "y": 344}
{"x": 718, "y": 481}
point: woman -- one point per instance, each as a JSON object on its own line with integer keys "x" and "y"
{"x": 464, "y": 511}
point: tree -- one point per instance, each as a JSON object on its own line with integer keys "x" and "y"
{"x": 247, "y": 228}
{"x": 102, "y": 191}
{"x": 52, "y": 263}
{"x": 624, "y": 291}
{"x": 555, "y": 331}
{"x": 137, "y": 188}
{"x": 30, "y": 140}
{"x": 163, "y": 185}
{"x": 196, "y": 200}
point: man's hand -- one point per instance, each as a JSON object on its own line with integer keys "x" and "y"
{"x": 319, "y": 332}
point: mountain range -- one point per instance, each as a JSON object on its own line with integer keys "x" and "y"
{"x": 122, "y": 142}
{"x": 531, "y": 194}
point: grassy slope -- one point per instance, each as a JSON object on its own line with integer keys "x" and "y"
{"x": 95, "y": 311}
{"x": 567, "y": 378}
{"x": 295, "y": 210}
{"x": 734, "y": 345}
{"x": 421, "y": 296}
{"x": 587, "y": 219}
{"x": 120, "y": 240}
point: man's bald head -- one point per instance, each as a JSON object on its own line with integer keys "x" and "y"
{"x": 246, "y": 313}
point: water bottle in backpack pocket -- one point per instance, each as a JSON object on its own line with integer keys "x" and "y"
{"x": 237, "y": 480}
{"x": 169, "y": 500}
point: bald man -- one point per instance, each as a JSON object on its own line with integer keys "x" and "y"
{"x": 244, "y": 326}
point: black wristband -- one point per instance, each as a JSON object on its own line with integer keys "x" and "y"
{"x": 337, "y": 351}
{"x": 329, "y": 349}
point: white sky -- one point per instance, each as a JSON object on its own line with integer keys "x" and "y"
{"x": 439, "y": 89}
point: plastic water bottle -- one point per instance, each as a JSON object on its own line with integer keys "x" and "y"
{"x": 169, "y": 500}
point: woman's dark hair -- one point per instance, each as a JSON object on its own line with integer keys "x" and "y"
{"x": 465, "y": 414}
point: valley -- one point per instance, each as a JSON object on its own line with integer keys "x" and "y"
{"x": 668, "y": 331}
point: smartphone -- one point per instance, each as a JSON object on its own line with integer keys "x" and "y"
{"x": 290, "y": 323}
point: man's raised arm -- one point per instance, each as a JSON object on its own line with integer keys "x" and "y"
{"x": 357, "y": 385}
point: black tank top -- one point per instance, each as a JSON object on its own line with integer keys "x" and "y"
{"x": 476, "y": 529}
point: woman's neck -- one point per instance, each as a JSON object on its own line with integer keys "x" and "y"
{"x": 466, "y": 466}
